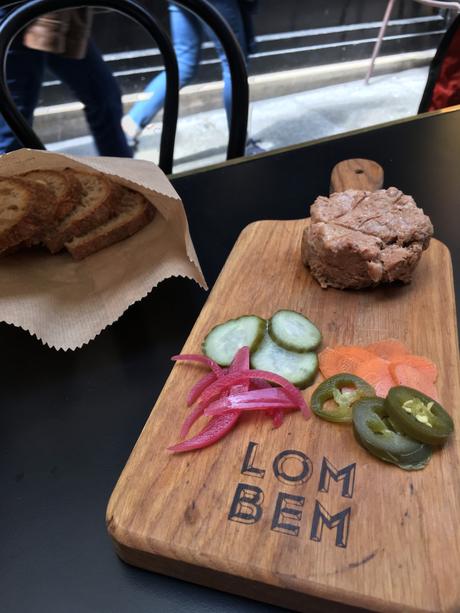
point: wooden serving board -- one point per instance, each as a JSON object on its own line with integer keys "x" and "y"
{"x": 302, "y": 513}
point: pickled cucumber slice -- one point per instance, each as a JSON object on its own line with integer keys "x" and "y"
{"x": 293, "y": 331}
{"x": 298, "y": 368}
{"x": 224, "y": 340}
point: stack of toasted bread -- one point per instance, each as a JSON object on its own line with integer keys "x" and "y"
{"x": 80, "y": 211}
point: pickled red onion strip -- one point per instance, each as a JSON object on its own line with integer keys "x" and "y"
{"x": 226, "y": 381}
{"x": 216, "y": 429}
{"x": 199, "y": 387}
{"x": 218, "y": 407}
{"x": 268, "y": 394}
{"x": 241, "y": 360}
{"x": 260, "y": 384}
{"x": 197, "y": 357}
{"x": 191, "y": 418}
{"x": 255, "y": 400}
{"x": 278, "y": 418}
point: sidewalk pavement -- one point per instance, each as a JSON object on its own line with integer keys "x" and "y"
{"x": 282, "y": 121}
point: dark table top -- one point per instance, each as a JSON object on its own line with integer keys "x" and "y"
{"x": 69, "y": 420}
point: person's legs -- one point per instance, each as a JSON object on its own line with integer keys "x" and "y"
{"x": 186, "y": 34}
{"x": 230, "y": 11}
{"x": 24, "y": 71}
{"x": 95, "y": 86}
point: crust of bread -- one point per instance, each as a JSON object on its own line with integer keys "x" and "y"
{"x": 73, "y": 195}
{"x": 83, "y": 211}
{"x": 134, "y": 213}
{"x": 69, "y": 195}
{"x": 81, "y": 219}
{"x": 37, "y": 210}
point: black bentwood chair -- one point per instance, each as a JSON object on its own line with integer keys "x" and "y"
{"x": 27, "y": 12}
{"x": 443, "y": 52}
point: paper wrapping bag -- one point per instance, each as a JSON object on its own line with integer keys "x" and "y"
{"x": 67, "y": 303}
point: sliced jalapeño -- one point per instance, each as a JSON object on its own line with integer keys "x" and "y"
{"x": 345, "y": 389}
{"x": 418, "y": 415}
{"x": 377, "y": 433}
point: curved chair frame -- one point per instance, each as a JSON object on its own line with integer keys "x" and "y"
{"x": 436, "y": 65}
{"x": 26, "y": 13}
{"x": 238, "y": 72}
{"x": 23, "y": 15}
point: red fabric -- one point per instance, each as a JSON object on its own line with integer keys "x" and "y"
{"x": 446, "y": 92}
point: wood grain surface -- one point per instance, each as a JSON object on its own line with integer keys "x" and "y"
{"x": 356, "y": 174}
{"x": 300, "y": 514}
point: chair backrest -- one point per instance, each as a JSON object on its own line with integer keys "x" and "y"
{"x": 437, "y": 93}
{"x": 27, "y": 12}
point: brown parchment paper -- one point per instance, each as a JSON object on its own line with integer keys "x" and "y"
{"x": 66, "y": 303}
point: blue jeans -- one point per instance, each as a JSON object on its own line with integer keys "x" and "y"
{"x": 188, "y": 33}
{"x": 90, "y": 81}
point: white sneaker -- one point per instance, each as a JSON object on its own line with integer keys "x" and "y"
{"x": 130, "y": 128}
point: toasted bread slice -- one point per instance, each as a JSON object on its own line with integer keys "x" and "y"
{"x": 98, "y": 200}
{"x": 65, "y": 186}
{"x": 134, "y": 212}
{"x": 25, "y": 209}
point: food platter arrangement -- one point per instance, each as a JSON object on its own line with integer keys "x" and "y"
{"x": 304, "y": 450}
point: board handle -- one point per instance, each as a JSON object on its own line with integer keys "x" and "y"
{"x": 356, "y": 174}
